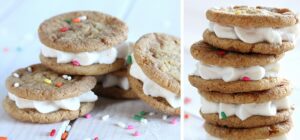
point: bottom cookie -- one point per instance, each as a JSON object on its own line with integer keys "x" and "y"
{"x": 264, "y": 132}
{"x": 254, "y": 121}
{"x": 155, "y": 102}
{"x": 31, "y": 115}
{"x": 114, "y": 92}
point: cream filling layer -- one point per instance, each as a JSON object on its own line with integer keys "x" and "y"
{"x": 255, "y": 35}
{"x": 244, "y": 111}
{"x": 51, "y": 106}
{"x": 228, "y": 74}
{"x": 112, "y": 80}
{"x": 107, "y": 56}
{"x": 151, "y": 88}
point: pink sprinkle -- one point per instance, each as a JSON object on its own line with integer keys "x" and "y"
{"x": 88, "y": 116}
{"x": 5, "y": 49}
{"x": 136, "y": 134}
{"x": 187, "y": 100}
{"x": 75, "y": 63}
{"x": 173, "y": 121}
{"x": 245, "y": 78}
{"x": 129, "y": 127}
{"x": 96, "y": 138}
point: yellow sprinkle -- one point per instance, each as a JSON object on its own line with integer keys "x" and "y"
{"x": 48, "y": 81}
{"x": 237, "y": 12}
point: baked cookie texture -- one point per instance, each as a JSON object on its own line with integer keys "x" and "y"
{"x": 38, "y": 83}
{"x": 245, "y": 16}
{"x": 240, "y": 46}
{"x": 98, "y": 32}
{"x": 213, "y": 56}
{"x": 33, "y": 116}
{"x": 238, "y": 58}
{"x": 32, "y": 84}
{"x": 94, "y": 69}
{"x": 158, "y": 55}
{"x": 116, "y": 92}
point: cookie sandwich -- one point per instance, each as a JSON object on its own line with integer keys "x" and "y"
{"x": 82, "y": 43}
{"x": 155, "y": 71}
{"x": 115, "y": 84}
{"x": 242, "y": 95}
{"x": 37, "y": 94}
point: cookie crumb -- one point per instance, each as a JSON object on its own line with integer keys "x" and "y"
{"x": 121, "y": 124}
{"x": 165, "y": 117}
{"x": 144, "y": 121}
{"x": 29, "y": 69}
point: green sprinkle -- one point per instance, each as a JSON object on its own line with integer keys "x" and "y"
{"x": 19, "y": 49}
{"x": 138, "y": 117}
{"x": 68, "y": 21}
{"x": 129, "y": 59}
{"x": 224, "y": 117}
{"x": 142, "y": 113}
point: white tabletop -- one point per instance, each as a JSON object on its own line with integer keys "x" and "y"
{"x": 19, "y": 47}
{"x": 195, "y": 23}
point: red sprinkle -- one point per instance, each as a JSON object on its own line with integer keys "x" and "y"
{"x": 3, "y": 138}
{"x": 186, "y": 116}
{"x": 220, "y": 52}
{"x": 96, "y": 138}
{"x": 245, "y": 78}
{"x": 63, "y": 29}
{"x": 187, "y": 100}
{"x": 76, "y": 20}
{"x": 58, "y": 84}
{"x": 52, "y": 133}
{"x": 75, "y": 63}
{"x": 64, "y": 136}
{"x": 88, "y": 116}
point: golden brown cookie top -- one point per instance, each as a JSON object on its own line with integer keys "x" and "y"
{"x": 213, "y": 56}
{"x": 37, "y": 82}
{"x": 158, "y": 55}
{"x": 82, "y": 31}
{"x": 278, "y": 92}
{"x": 245, "y": 16}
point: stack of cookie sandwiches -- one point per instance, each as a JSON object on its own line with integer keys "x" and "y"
{"x": 88, "y": 43}
{"x": 77, "y": 46}
{"x": 155, "y": 71}
{"x": 237, "y": 72}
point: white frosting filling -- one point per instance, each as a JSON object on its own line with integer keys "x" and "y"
{"x": 209, "y": 72}
{"x": 151, "y": 88}
{"x": 244, "y": 111}
{"x": 51, "y": 106}
{"x": 107, "y": 56}
{"x": 255, "y": 35}
{"x": 112, "y": 80}
{"x": 282, "y": 137}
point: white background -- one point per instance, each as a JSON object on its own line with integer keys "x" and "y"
{"x": 19, "y": 21}
{"x": 195, "y": 23}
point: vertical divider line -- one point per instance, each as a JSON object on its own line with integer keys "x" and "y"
{"x": 181, "y": 8}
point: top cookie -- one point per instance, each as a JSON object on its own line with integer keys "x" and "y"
{"x": 82, "y": 31}
{"x": 40, "y": 83}
{"x": 244, "y": 16}
{"x": 158, "y": 55}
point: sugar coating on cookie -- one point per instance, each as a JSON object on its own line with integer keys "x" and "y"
{"x": 97, "y": 32}
{"x": 246, "y": 16}
{"x": 48, "y": 94}
{"x": 212, "y": 56}
{"x": 243, "y": 47}
{"x": 158, "y": 55}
